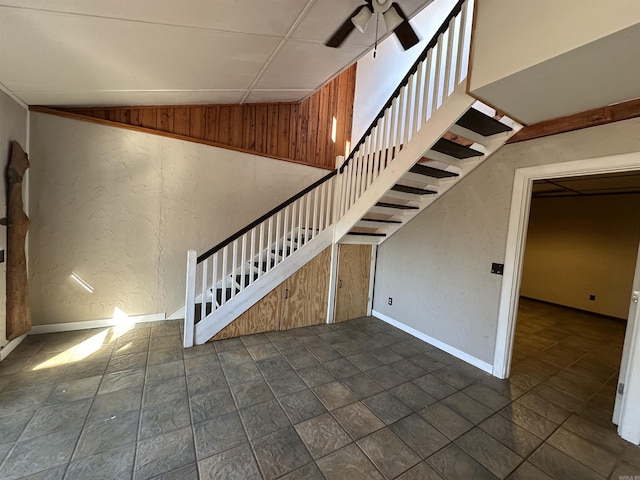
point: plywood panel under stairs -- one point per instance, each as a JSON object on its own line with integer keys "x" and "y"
{"x": 354, "y": 269}
{"x": 307, "y": 293}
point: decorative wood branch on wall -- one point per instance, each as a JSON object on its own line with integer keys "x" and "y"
{"x": 299, "y": 131}
{"x": 18, "y": 312}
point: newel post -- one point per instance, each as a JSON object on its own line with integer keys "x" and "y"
{"x": 190, "y": 299}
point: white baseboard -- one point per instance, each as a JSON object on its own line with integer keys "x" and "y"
{"x": 484, "y": 366}
{"x": 177, "y": 315}
{"x": 85, "y": 325}
{"x": 10, "y": 347}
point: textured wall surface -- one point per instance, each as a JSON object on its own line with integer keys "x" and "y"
{"x": 578, "y": 246}
{"x": 13, "y": 126}
{"x": 437, "y": 268}
{"x": 120, "y": 209}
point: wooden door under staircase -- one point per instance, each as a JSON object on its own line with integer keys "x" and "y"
{"x": 354, "y": 277}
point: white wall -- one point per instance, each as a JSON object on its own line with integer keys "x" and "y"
{"x": 437, "y": 268}
{"x": 578, "y": 246}
{"x": 378, "y": 77}
{"x": 13, "y": 126}
{"x": 120, "y": 209}
{"x": 512, "y": 35}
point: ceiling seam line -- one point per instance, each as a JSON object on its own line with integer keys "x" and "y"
{"x": 266, "y": 65}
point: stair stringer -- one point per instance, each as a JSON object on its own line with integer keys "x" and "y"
{"x": 446, "y": 115}
{"x": 213, "y": 323}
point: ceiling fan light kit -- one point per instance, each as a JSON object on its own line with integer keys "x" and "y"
{"x": 394, "y": 18}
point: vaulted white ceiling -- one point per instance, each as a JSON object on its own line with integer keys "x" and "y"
{"x": 142, "y": 52}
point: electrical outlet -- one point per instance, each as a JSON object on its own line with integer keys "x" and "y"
{"x": 592, "y": 298}
{"x": 390, "y": 301}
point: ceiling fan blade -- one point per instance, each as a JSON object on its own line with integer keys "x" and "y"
{"x": 343, "y": 31}
{"x": 405, "y": 32}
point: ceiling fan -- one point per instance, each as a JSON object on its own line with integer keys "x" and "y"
{"x": 394, "y": 19}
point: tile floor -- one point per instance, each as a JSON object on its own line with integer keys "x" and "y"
{"x": 357, "y": 400}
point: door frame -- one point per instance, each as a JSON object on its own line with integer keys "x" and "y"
{"x": 514, "y": 254}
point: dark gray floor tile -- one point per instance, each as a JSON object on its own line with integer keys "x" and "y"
{"x": 361, "y": 385}
{"x": 544, "y": 407}
{"x": 624, "y": 471}
{"x": 198, "y": 350}
{"x": 585, "y": 451}
{"x": 357, "y": 420}
{"x": 505, "y": 387}
{"x": 561, "y": 399}
{"x": 164, "y": 371}
{"x": 493, "y": 455}
{"x": 467, "y": 407}
{"x": 56, "y": 418}
{"x": 486, "y": 396}
{"x": 422, "y": 437}
{"x": 73, "y": 390}
{"x": 316, "y": 375}
{"x": 110, "y": 465}
{"x": 255, "y": 339}
{"x": 280, "y": 453}
{"x": 263, "y": 419}
{"x": 200, "y": 364}
{"x": 55, "y": 473}
{"x": 168, "y": 341}
{"x": 308, "y": 472}
{"x": 171, "y": 390}
{"x": 123, "y": 380}
{"x": 286, "y": 384}
{"x": 408, "y": 369}
{"x": 454, "y": 464}
{"x": 164, "y": 453}
{"x": 403, "y": 349}
{"x": 108, "y": 434}
{"x": 227, "y": 344}
{"x": 511, "y": 435}
{"x": 455, "y": 376}
{"x": 13, "y": 402}
{"x": 412, "y": 396}
{"x": 211, "y": 404}
{"x": 342, "y": 368}
{"x": 164, "y": 418}
{"x": 422, "y": 471}
{"x": 558, "y": 465}
{"x": 607, "y": 436}
{"x": 168, "y": 355}
{"x": 251, "y": 393}
{"x": 244, "y": 372}
{"x": 445, "y": 420}
{"x": 39, "y": 454}
{"x": 190, "y": 472}
{"x": 324, "y": 353}
{"x": 116, "y": 403}
{"x": 207, "y": 381}
{"x": 237, "y": 463}
{"x": 365, "y": 361}
{"x": 526, "y": 471}
{"x": 302, "y": 406}
{"x": 426, "y": 362}
{"x": 387, "y": 408}
{"x": 4, "y": 451}
{"x": 386, "y": 376}
{"x": 127, "y": 361}
{"x": 388, "y": 453}
{"x": 434, "y": 386}
{"x": 236, "y": 356}
{"x": 89, "y": 368}
{"x": 300, "y": 359}
{"x": 11, "y": 426}
{"x": 334, "y": 395}
{"x": 529, "y": 420}
{"x": 348, "y": 463}
{"x": 322, "y": 435}
{"x": 347, "y": 348}
{"x": 218, "y": 434}
{"x": 263, "y": 351}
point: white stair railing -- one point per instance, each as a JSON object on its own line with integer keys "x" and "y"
{"x": 258, "y": 249}
{"x": 433, "y": 78}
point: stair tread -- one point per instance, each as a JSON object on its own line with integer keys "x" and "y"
{"x": 368, "y": 234}
{"x": 414, "y": 190}
{"x": 431, "y": 172}
{"x": 453, "y": 149}
{"x": 380, "y": 221}
{"x": 482, "y": 124}
{"x": 395, "y": 205}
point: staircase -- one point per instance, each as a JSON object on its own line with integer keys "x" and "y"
{"x": 427, "y": 137}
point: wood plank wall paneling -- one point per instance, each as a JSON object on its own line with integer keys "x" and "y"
{"x": 296, "y": 131}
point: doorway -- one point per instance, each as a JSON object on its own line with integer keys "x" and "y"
{"x": 509, "y": 302}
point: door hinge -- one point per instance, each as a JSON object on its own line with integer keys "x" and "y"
{"x": 339, "y": 283}
{"x": 621, "y": 389}
{"x": 286, "y": 293}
